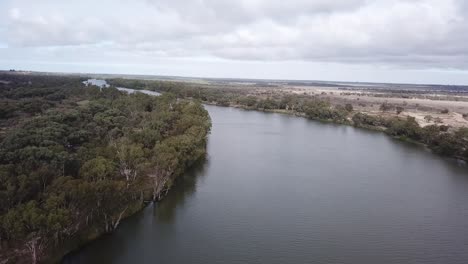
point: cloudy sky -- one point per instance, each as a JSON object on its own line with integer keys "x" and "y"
{"x": 418, "y": 41}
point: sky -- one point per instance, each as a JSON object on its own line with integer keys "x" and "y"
{"x": 402, "y": 41}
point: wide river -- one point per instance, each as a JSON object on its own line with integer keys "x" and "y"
{"x": 282, "y": 189}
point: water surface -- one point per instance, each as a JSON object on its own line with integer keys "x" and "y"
{"x": 103, "y": 84}
{"x": 281, "y": 189}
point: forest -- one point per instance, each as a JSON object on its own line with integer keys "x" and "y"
{"x": 441, "y": 139}
{"x": 75, "y": 160}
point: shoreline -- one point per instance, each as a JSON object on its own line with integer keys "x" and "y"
{"x": 322, "y": 107}
{"x": 107, "y": 154}
{"x": 368, "y": 128}
{"x": 88, "y": 238}
{"x": 347, "y": 122}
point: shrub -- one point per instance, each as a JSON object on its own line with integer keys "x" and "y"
{"x": 399, "y": 109}
{"x": 384, "y": 107}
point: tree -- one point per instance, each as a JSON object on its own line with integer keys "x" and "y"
{"x": 75, "y": 158}
{"x": 130, "y": 156}
{"x": 399, "y": 109}
{"x": 249, "y": 101}
{"x": 404, "y": 128}
{"x": 162, "y": 166}
{"x": 97, "y": 169}
{"x": 428, "y": 118}
{"x": 385, "y": 106}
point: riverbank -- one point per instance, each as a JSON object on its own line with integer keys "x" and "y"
{"x": 347, "y": 196}
{"x": 78, "y": 243}
{"x": 348, "y": 122}
{"x": 76, "y": 160}
{"x": 443, "y": 105}
{"x": 440, "y": 138}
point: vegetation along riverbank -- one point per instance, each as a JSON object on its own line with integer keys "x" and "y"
{"x": 441, "y": 138}
{"x": 76, "y": 160}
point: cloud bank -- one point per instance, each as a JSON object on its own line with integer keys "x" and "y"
{"x": 416, "y": 34}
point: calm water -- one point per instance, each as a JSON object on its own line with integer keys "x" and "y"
{"x": 103, "y": 84}
{"x": 281, "y": 189}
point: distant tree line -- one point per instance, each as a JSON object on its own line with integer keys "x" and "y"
{"x": 76, "y": 160}
{"x": 439, "y": 138}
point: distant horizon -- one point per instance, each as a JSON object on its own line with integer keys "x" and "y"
{"x": 384, "y": 41}
{"x": 229, "y": 78}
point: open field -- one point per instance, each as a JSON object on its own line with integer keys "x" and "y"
{"x": 427, "y": 103}
{"x": 418, "y": 105}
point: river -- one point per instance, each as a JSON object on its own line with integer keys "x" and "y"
{"x": 282, "y": 189}
{"x": 103, "y": 84}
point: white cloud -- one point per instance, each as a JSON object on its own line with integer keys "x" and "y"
{"x": 399, "y": 33}
{"x": 15, "y": 13}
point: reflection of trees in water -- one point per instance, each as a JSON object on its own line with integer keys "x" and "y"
{"x": 132, "y": 227}
{"x": 184, "y": 188}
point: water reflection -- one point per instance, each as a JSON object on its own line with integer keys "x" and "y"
{"x": 153, "y": 221}
{"x": 103, "y": 84}
{"x": 165, "y": 210}
{"x": 279, "y": 189}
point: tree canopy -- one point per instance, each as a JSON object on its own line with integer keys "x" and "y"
{"x": 75, "y": 160}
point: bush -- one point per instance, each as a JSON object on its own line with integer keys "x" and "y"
{"x": 399, "y": 109}
{"x": 384, "y": 107}
{"x": 223, "y": 102}
{"x": 444, "y": 128}
{"x": 362, "y": 120}
{"x": 404, "y": 128}
{"x": 249, "y": 101}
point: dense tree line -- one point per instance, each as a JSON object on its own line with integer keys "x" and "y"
{"x": 439, "y": 138}
{"x": 85, "y": 158}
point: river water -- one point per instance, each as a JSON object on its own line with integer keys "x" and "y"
{"x": 103, "y": 84}
{"x": 282, "y": 189}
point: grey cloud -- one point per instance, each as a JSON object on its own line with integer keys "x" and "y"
{"x": 420, "y": 33}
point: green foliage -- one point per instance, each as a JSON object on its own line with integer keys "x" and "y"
{"x": 248, "y": 101}
{"x": 438, "y": 137}
{"x": 267, "y": 104}
{"x": 408, "y": 128}
{"x": 97, "y": 169}
{"x": 84, "y": 158}
{"x": 365, "y": 120}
